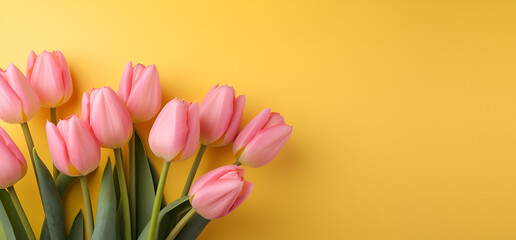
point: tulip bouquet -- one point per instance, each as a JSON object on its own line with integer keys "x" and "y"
{"x": 129, "y": 207}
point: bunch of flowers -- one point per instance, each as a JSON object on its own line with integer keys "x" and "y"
{"x": 128, "y": 207}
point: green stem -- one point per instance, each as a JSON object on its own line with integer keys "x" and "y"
{"x": 123, "y": 192}
{"x": 87, "y": 205}
{"x": 195, "y": 166}
{"x": 238, "y": 163}
{"x": 21, "y": 213}
{"x": 132, "y": 182}
{"x": 30, "y": 146}
{"x": 53, "y": 119}
{"x": 181, "y": 224}
{"x": 157, "y": 201}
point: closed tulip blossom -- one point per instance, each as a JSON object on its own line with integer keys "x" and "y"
{"x": 261, "y": 139}
{"x": 221, "y": 114}
{"x": 175, "y": 134}
{"x": 18, "y": 101}
{"x": 220, "y": 191}
{"x": 73, "y": 146}
{"x": 50, "y": 76}
{"x": 13, "y": 166}
{"x": 140, "y": 89}
{"x": 108, "y": 117}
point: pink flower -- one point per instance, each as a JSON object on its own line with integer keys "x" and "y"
{"x": 50, "y": 76}
{"x": 73, "y": 147}
{"x": 13, "y": 166}
{"x": 220, "y": 191}
{"x": 175, "y": 133}
{"x": 221, "y": 114}
{"x": 18, "y": 101}
{"x": 108, "y": 117}
{"x": 261, "y": 139}
{"x": 140, "y": 89}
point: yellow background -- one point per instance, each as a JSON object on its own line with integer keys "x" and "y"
{"x": 404, "y": 112}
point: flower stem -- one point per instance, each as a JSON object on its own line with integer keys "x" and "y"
{"x": 132, "y": 181}
{"x": 21, "y": 213}
{"x": 123, "y": 192}
{"x": 181, "y": 224}
{"x": 30, "y": 146}
{"x": 53, "y": 119}
{"x": 157, "y": 201}
{"x": 87, "y": 205}
{"x": 238, "y": 163}
{"x": 195, "y": 166}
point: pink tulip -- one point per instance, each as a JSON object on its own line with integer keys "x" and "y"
{"x": 140, "y": 89}
{"x": 174, "y": 136}
{"x": 50, "y": 76}
{"x": 220, "y": 191}
{"x": 108, "y": 117}
{"x": 221, "y": 114}
{"x": 18, "y": 100}
{"x": 261, "y": 139}
{"x": 73, "y": 146}
{"x": 12, "y": 163}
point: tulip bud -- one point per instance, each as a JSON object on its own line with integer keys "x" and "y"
{"x": 220, "y": 191}
{"x": 221, "y": 114}
{"x": 73, "y": 147}
{"x": 174, "y": 136}
{"x": 140, "y": 90}
{"x": 108, "y": 117}
{"x": 261, "y": 139}
{"x": 12, "y": 163}
{"x": 50, "y": 76}
{"x": 18, "y": 100}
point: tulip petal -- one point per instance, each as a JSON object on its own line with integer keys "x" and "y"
{"x": 29, "y": 99}
{"x": 246, "y": 191}
{"x": 215, "y": 199}
{"x": 236, "y": 119}
{"x": 216, "y": 110}
{"x": 11, "y": 108}
{"x": 144, "y": 100}
{"x": 58, "y": 150}
{"x": 265, "y": 146}
{"x": 47, "y": 79}
{"x": 249, "y": 130}
{"x": 85, "y": 109}
{"x": 11, "y": 169}
{"x": 30, "y": 64}
{"x": 12, "y": 146}
{"x": 168, "y": 134}
{"x": 67, "y": 78}
{"x": 211, "y": 176}
{"x": 275, "y": 119}
{"x": 192, "y": 138}
{"x": 124, "y": 89}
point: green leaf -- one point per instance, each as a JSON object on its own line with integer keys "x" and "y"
{"x": 145, "y": 192}
{"x": 51, "y": 200}
{"x": 77, "y": 230}
{"x": 167, "y": 215}
{"x": 12, "y": 214}
{"x": 6, "y": 229}
{"x": 193, "y": 228}
{"x": 63, "y": 182}
{"x": 120, "y": 222}
{"x": 105, "y": 227}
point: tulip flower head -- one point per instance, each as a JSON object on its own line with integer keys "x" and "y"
{"x": 174, "y": 136}
{"x": 73, "y": 146}
{"x": 221, "y": 114}
{"x": 13, "y": 166}
{"x": 261, "y": 139}
{"x": 50, "y": 76}
{"x": 18, "y": 100}
{"x": 220, "y": 191}
{"x": 140, "y": 89}
{"x": 108, "y": 117}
